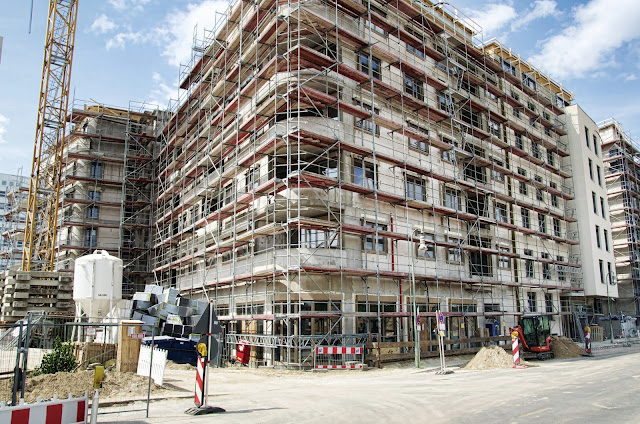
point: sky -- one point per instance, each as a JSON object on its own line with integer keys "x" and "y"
{"x": 132, "y": 52}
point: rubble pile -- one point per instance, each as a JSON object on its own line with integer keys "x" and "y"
{"x": 164, "y": 312}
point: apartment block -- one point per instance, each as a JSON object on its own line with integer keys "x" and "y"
{"x": 107, "y": 189}
{"x": 335, "y": 168}
{"x": 13, "y": 194}
{"x": 621, "y": 156}
{"x": 592, "y": 205}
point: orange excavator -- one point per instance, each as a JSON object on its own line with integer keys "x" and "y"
{"x": 534, "y": 334}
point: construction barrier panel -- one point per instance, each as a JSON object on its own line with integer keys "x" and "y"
{"x": 338, "y": 357}
{"x": 199, "y": 393}
{"x": 515, "y": 348}
{"x": 55, "y": 411}
{"x": 157, "y": 368}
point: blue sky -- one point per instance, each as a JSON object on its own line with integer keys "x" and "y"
{"x": 131, "y": 50}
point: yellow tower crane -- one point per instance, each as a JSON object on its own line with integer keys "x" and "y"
{"x": 44, "y": 190}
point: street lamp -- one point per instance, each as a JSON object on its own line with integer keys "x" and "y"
{"x": 609, "y": 282}
{"x": 422, "y": 247}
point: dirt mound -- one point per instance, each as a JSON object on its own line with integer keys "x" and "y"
{"x": 564, "y": 347}
{"x": 116, "y": 385}
{"x": 492, "y": 357}
{"x": 175, "y": 366}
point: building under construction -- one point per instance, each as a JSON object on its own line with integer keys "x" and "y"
{"x": 107, "y": 188}
{"x": 326, "y": 152}
{"x": 622, "y": 173}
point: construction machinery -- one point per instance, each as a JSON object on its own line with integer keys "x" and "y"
{"x": 534, "y": 335}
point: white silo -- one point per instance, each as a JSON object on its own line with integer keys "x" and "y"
{"x": 97, "y": 283}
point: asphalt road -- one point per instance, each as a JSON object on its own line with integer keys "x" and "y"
{"x": 602, "y": 389}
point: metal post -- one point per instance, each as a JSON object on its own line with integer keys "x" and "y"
{"x": 16, "y": 369}
{"x": 25, "y": 356}
{"x": 153, "y": 340}
{"x": 416, "y": 341}
{"x": 208, "y": 362}
{"x": 609, "y": 306}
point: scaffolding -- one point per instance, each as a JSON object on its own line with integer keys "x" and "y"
{"x": 621, "y": 156}
{"x": 107, "y": 188}
{"x": 14, "y": 216}
{"x": 316, "y": 143}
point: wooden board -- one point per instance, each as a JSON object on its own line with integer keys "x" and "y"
{"x": 128, "y": 348}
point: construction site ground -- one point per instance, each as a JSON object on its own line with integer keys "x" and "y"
{"x": 602, "y": 388}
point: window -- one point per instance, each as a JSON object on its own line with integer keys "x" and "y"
{"x": 373, "y": 26}
{"x": 523, "y": 188}
{"x": 508, "y": 67}
{"x": 375, "y": 68}
{"x": 495, "y": 174}
{"x": 526, "y": 223}
{"x": 556, "y": 227}
{"x": 504, "y": 261}
{"x": 449, "y": 156}
{"x": 430, "y": 252}
{"x": 599, "y": 172}
{"x": 363, "y": 174}
{"x": 591, "y": 169}
{"x": 415, "y": 188}
{"x": 421, "y": 144}
{"x": 413, "y": 87}
{"x": 528, "y": 81}
{"x": 602, "y": 209}
{"x": 554, "y": 197}
{"x": 90, "y": 237}
{"x": 92, "y": 211}
{"x": 516, "y": 112}
{"x": 595, "y": 204}
{"x": 548, "y": 303}
{"x": 494, "y": 128}
{"x": 501, "y": 212}
{"x": 539, "y": 194}
{"x": 380, "y": 244}
{"x": 474, "y": 172}
{"x": 451, "y": 199}
{"x": 453, "y": 253}
{"x": 519, "y": 142}
{"x": 367, "y": 124}
{"x": 605, "y": 234}
{"x": 532, "y": 301}
{"x": 313, "y": 239}
{"x": 535, "y": 150}
{"x": 550, "y": 158}
{"x": 542, "y": 223}
{"x": 416, "y": 50}
{"x": 96, "y": 169}
{"x": 598, "y": 236}
{"x": 601, "y": 271}
{"x": 471, "y": 118}
{"x": 586, "y": 134}
{"x": 610, "y": 275}
{"x": 94, "y": 196}
{"x": 444, "y": 102}
{"x": 253, "y": 178}
{"x": 595, "y": 145}
{"x": 546, "y": 271}
{"x": 560, "y": 268}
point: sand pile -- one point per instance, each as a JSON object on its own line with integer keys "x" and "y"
{"x": 116, "y": 385}
{"x": 182, "y": 367}
{"x": 489, "y": 358}
{"x": 564, "y": 347}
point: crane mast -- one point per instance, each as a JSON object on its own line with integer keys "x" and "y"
{"x": 44, "y": 189}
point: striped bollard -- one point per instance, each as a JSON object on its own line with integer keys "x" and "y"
{"x": 515, "y": 348}
{"x": 199, "y": 399}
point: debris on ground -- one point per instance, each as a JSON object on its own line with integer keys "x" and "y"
{"x": 170, "y": 365}
{"x": 115, "y": 386}
{"x": 564, "y": 347}
{"x": 492, "y": 357}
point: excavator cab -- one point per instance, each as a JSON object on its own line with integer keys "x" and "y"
{"x": 535, "y": 335}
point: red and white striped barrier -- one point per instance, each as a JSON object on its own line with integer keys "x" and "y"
{"x": 515, "y": 348}
{"x": 349, "y": 357}
{"x": 55, "y": 411}
{"x": 338, "y": 350}
{"x": 199, "y": 399}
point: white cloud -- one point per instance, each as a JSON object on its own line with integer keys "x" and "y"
{"x": 598, "y": 29}
{"x": 102, "y": 24}
{"x": 134, "y": 5}
{"x": 4, "y": 123}
{"x": 629, "y": 77}
{"x": 180, "y": 26}
{"x": 493, "y": 17}
{"x": 161, "y": 92}
{"x": 540, "y": 9}
{"x": 175, "y": 33}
